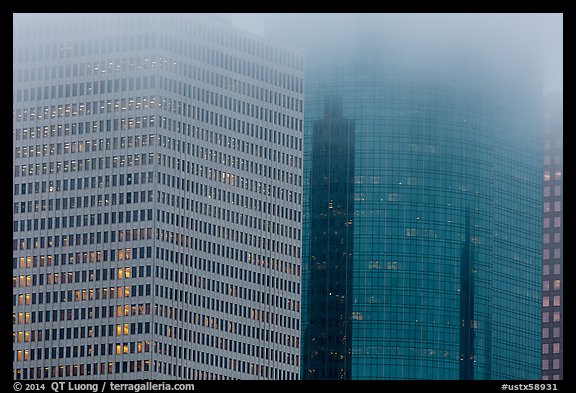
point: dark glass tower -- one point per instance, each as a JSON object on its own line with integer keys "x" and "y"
{"x": 331, "y": 245}
{"x": 422, "y": 208}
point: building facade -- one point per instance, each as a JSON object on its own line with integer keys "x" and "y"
{"x": 421, "y": 248}
{"x": 552, "y": 241}
{"x": 156, "y": 201}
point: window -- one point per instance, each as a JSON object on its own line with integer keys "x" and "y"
{"x": 556, "y": 284}
{"x": 557, "y": 268}
{"x": 557, "y": 190}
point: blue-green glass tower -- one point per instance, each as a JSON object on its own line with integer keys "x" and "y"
{"x": 422, "y": 235}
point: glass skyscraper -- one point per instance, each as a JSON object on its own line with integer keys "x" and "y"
{"x": 421, "y": 248}
{"x": 156, "y": 199}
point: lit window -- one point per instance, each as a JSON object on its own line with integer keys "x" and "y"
{"x": 556, "y": 284}
{"x": 545, "y": 301}
{"x": 410, "y": 232}
{"x": 556, "y": 300}
{"x": 556, "y": 348}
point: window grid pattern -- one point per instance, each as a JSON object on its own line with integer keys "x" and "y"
{"x": 552, "y": 247}
{"x": 157, "y": 190}
{"x": 440, "y": 175}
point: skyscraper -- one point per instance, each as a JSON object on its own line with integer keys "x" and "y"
{"x": 421, "y": 247}
{"x": 157, "y": 199}
{"x": 552, "y": 241}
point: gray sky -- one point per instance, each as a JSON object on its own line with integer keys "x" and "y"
{"x": 254, "y": 23}
{"x": 543, "y": 31}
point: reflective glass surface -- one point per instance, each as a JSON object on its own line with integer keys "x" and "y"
{"x": 435, "y": 244}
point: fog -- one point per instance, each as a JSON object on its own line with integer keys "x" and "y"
{"x": 509, "y": 38}
{"x": 537, "y": 37}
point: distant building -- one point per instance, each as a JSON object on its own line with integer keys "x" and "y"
{"x": 422, "y": 210}
{"x": 552, "y": 241}
{"x": 157, "y": 199}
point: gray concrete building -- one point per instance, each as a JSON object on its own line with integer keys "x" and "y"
{"x": 157, "y": 170}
